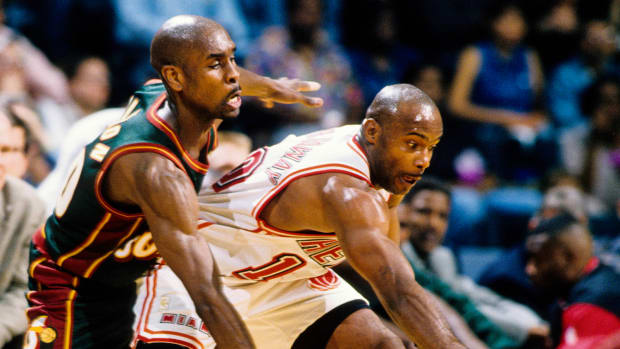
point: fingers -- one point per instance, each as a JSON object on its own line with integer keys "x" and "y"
{"x": 267, "y": 103}
{"x": 313, "y": 102}
{"x": 300, "y": 85}
{"x": 306, "y": 86}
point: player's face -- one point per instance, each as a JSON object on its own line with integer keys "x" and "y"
{"x": 212, "y": 77}
{"x": 428, "y": 219}
{"x": 405, "y": 147}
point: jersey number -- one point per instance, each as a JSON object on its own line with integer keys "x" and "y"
{"x": 241, "y": 172}
{"x": 70, "y": 184}
{"x": 279, "y": 265}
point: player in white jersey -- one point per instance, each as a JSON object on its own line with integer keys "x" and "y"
{"x": 277, "y": 222}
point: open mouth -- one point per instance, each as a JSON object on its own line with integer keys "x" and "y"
{"x": 234, "y": 101}
{"x": 411, "y": 179}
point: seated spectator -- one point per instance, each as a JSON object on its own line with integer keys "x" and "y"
{"x": 507, "y": 277}
{"x": 303, "y": 49}
{"x": 21, "y": 213}
{"x": 25, "y": 71}
{"x": 429, "y": 208}
{"x": 498, "y": 84}
{"x": 469, "y": 325}
{"x": 89, "y": 86}
{"x": 570, "y": 79}
{"x": 587, "y": 314}
{"x": 555, "y": 30}
{"x": 587, "y": 151}
{"x": 25, "y": 158}
{"x": 380, "y": 59}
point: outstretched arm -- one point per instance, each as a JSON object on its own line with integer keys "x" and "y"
{"x": 362, "y": 221}
{"x": 170, "y": 206}
{"x": 284, "y": 90}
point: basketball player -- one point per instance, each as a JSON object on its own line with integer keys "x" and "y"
{"x": 142, "y": 173}
{"x": 278, "y": 221}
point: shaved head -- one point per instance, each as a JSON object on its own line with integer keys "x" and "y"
{"x": 394, "y": 101}
{"x": 179, "y": 35}
{"x": 400, "y": 131}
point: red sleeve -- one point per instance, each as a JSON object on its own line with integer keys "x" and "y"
{"x": 587, "y": 326}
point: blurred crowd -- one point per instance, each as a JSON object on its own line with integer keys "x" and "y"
{"x": 529, "y": 92}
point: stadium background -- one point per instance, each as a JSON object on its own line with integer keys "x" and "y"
{"x": 354, "y": 47}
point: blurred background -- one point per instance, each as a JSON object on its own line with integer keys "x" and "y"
{"x": 529, "y": 91}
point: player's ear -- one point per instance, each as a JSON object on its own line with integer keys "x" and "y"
{"x": 371, "y": 130}
{"x": 173, "y": 76}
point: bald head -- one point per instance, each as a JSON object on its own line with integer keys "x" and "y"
{"x": 177, "y": 36}
{"x": 395, "y": 101}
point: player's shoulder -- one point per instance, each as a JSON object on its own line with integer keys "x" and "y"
{"x": 145, "y": 168}
{"x": 341, "y": 186}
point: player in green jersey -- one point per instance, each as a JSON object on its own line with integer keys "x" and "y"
{"x": 134, "y": 188}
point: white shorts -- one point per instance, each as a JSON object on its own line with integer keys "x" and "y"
{"x": 276, "y": 313}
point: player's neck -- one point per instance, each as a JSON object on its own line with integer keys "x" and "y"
{"x": 192, "y": 132}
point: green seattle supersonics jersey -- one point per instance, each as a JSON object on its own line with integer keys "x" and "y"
{"x": 94, "y": 238}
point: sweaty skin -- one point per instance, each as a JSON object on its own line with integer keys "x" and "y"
{"x": 195, "y": 59}
{"x": 399, "y": 143}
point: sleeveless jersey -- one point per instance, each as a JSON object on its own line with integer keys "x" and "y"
{"x": 94, "y": 238}
{"x": 245, "y": 247}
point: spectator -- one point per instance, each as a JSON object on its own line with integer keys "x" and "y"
{"x": 507, "y": 277}
{"x": 570, "y": 79}
{"x": 556, "y": 31}
{"x": 25, "y": 158}
{"x": 588, "y": 311}
{"x": 21, "y": 212}
{"x": 380, "y": 59}
{"x": 25, "y": 71}
{"x": 587, "y": 151}
{"x": 498, "y": 83}
{"x": 89, "y": 86}
{"x": 429, "y": 208}
{"x": 304, "y": 50}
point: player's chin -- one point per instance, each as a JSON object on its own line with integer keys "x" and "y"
{"x": 230, "y": 114}
{"x": 401, "y": 186}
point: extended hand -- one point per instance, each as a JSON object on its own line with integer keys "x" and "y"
{"x": 284, "y": 90}
{"x": 288, "y": 91}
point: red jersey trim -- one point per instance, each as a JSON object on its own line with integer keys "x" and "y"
{"x": 131, "y": 148}
{"x": 162, "y": 125}
{"x": 89, "y": 240}
{"x": 355, "y": 145}
{"x": 314, "y": 170}
{"x": 91, "y": 269}
{"x": 151, "y": 290}
{"x": 265, "y": 200}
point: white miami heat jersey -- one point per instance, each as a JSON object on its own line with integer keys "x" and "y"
{"x": 245, "y": 247}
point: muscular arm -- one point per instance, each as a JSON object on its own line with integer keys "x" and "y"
{"x": 168, "y": 200}
{"x": 361, "y": 221}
